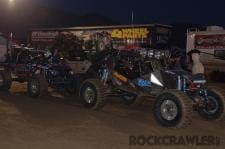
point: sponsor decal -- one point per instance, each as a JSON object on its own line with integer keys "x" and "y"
{"x": 210, "y": 41}
{"x": 130, "y": 33}
{"x": 44, "y": 36}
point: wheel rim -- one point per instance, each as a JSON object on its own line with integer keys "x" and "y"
{"x": 34, "y": 86}
{"x": 212, "y": 106}
{"x": 89, "y": 95}
{"x": 169, "y": 110}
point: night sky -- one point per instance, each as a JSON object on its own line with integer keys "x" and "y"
{"x": 206, "y": 12}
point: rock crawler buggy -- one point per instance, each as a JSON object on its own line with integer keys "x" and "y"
{"x": 177, "y": 93}
{"x": 42, "y": 69}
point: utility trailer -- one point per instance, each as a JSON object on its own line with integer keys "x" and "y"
{"x": 3, "y": 47}
{"x": 211, "y": 44}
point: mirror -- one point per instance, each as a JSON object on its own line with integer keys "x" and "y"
{"x": 220, "y": 54}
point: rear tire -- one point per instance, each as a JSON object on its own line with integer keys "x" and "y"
{"x": 173, "y": 109}
{"x": 37, "y": 86}
{"x": 217, "y": 100}
{"x": 93, "y": 94}
{"x": 6, "y": 80}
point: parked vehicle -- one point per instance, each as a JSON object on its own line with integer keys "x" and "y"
{"x": 127, "y": 75}
{"x": 38, "y": 69}
{"x": 20, "y": 65}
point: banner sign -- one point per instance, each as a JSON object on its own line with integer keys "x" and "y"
{"x": 130, "y": 33}
{"x": 117, "y": 37}
{"x": 44, "y": 36}
{"x": 210, "y": 41}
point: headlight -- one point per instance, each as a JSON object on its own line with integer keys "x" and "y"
{"x": 150, "y": 53}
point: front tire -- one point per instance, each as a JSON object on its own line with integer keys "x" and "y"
{"x": 5, "y": 80}
{"x": 173, "y": 109}
{"x": 215, "y": 108}
{"x": 93, "y": 94}
{"x": 37, "y": 86}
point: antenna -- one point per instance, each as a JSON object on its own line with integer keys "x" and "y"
{"x": 132, "y": 23}
{"x": 132, "y": 17}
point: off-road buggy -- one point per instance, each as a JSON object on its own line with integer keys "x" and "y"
{"x": 63, "y": 66}
{"x": 19, "y": 66}
{"x": 176, "y": 92}
{"x": 39, "y": 68}
{"x": 53, "y": 72}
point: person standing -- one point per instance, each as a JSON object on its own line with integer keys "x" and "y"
{"x": 197, "y": 66}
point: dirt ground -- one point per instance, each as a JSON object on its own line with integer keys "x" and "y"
{"x": 57, "y": 122}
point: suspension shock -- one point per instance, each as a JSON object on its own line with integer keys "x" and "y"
{"x": 104, "y": 76}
